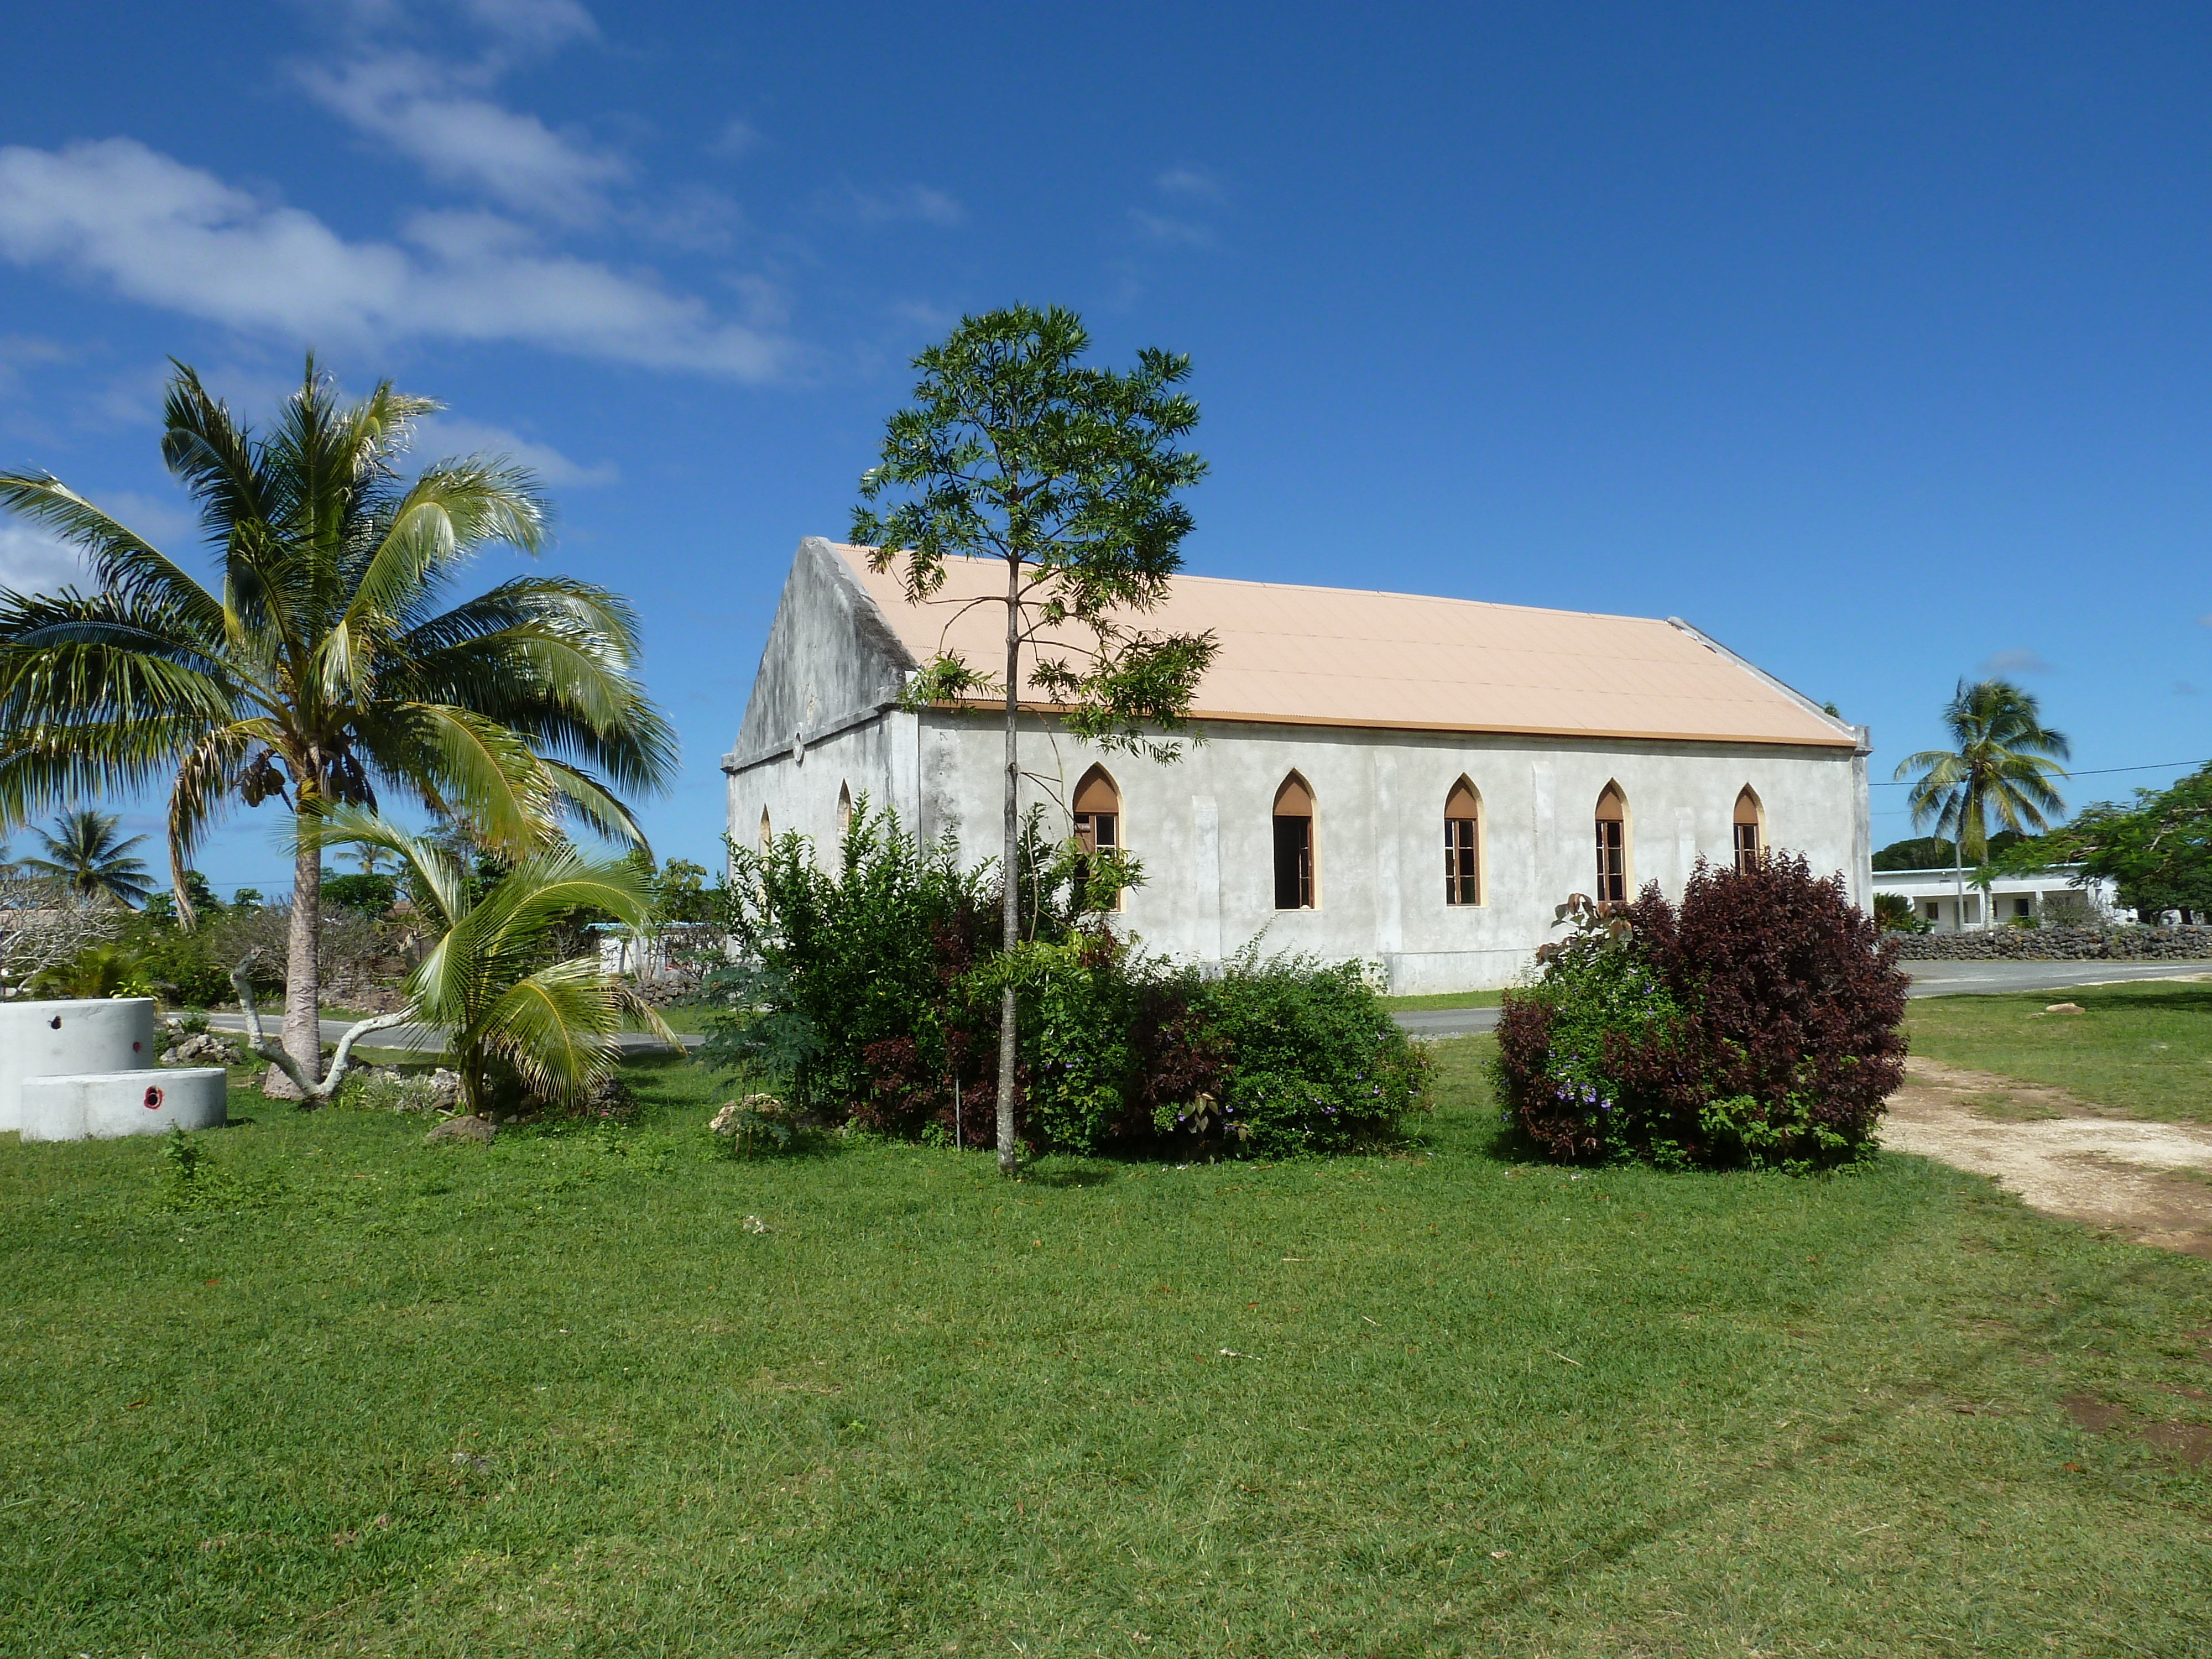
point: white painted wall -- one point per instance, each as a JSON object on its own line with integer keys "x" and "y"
{"x": 1203, "y": 828}
{"x": 1935, "y": 897}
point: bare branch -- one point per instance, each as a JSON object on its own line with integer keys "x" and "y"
{"x": 312, "y": 1093}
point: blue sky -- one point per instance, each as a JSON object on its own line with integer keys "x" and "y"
{"x": 1873, "y": 340}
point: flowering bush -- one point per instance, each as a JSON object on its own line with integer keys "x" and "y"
{"x": 1756, "y": 1025}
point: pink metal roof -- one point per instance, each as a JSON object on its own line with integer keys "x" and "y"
{"x": 1330, "y": 656}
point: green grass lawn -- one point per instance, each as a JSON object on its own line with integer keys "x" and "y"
{"x": 2145, "y": 1048}
{"x": 560, "y": 1395}
{"x": 1447, "y": 999}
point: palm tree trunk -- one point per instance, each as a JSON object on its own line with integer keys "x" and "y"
{"x": 303, "y": 1029}
{"x": 1009, "y": 1038}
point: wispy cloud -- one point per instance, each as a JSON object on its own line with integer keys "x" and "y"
{"x": 1189, "y": 181}
{"x": 1162, "y": 228}
{"x": 31, "y": 564}
{"x": 437, "y": 115}
{"x": 737, "y": 138}
{"x": 449, "y": 435}
{"x": 2018, "y": 660}
{"x": 914, "y": 202}
{"x": 539, "y": 25}
{"x": 177, "y": 237}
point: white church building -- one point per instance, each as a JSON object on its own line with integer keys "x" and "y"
{"x": 1413, "y": 781}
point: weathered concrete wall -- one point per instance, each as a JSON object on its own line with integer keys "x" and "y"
{"x": 829, "y": 659}
{"x": 1202, "y": 829}
{"x": 2059, "y": 944}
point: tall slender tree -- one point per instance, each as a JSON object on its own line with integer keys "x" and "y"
{"x": 2001, "y": 768}
{"x": 83, "y": 852}
{"x": 321, "y": 669}
{"x": 1017, "y": 450}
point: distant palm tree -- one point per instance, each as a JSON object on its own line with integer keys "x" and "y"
{"x": 321, "y": 671}
{"x": 84, "y": 853}
{"x": 2002, "y": 768}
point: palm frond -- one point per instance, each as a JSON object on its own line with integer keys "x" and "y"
{"x": 124, "y": 561}
{"x": 557, "y": 1027}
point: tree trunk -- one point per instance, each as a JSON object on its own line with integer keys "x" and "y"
{"x": 303, "y": 1029}
{"x": 1009, "y": 1036}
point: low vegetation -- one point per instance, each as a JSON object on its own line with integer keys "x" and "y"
{"x": 317, "y": 1388}
{"x": 2144, "y": 1047}
{"x": 1755, "y": 1024}
{"x": 874, "y": 992}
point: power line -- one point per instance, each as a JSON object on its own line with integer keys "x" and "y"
{"x": 2094, "y": 772}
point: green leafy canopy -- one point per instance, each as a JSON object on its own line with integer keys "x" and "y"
{"x": 1016, "y": 449}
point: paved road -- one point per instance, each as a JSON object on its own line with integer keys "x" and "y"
{"x": 1930, "y": 979}
{"x": 424, "y": 1039}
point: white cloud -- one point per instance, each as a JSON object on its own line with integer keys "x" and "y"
{"x": 2018, "y": 660}
{"x": 29, "y": 563}
{"x": 1161, "y": 228}
{"x": 914, "y": 202}
{"x": 1188, "y": 181}
{"x": 539, "y": 25}
{"x": 737, "y": 138}
{"x": 176, "y": 237}
{"x": 447, "y": 435}
{"x": 437, "y": 117}
{"x": 532, "y": 25}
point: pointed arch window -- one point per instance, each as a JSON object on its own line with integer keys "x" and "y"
{"x": 1462, "y": 844}
{"x": 844, "y": 809}
{"x": 1750, "y": 833}
{"x": 768, "y": 836}
{"x": 1096, "y": 810}
{"x": 1612, "y": 846}
{"x": 1294, "y": 845}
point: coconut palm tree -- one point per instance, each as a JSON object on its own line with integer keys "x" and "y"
{"x": 2002, "y": 768}
{"x": 84, "y": 851}
{"x": 492, "y": 981}
{"x": 321, "y": 670}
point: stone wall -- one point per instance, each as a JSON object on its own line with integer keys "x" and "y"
{"x": 2059, "y": 944}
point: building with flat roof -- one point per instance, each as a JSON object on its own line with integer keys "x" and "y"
{"x": 1416, "y": 782}
{"x": 2054, "y": 895}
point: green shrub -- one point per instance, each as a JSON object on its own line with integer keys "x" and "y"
{"x": 873, "y": 995}
{"x": 1314, "y": 1061}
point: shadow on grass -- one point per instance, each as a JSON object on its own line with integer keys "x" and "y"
{"x": 2153, "y": 997}
{"x": 1083, "y": 1175}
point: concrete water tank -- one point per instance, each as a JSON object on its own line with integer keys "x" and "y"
{"x": 50, "y": 1039}
{"x": 70, "y": 1070}
{"x": 102, "y": 1105}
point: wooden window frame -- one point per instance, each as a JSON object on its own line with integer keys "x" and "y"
{"x": 1612, "y": 865}
{"x": 1085, "y": 824}
{"x": 1463, "y": 861}
{"x": 1303, "y": 881}
{"x": 1746, "y": 831}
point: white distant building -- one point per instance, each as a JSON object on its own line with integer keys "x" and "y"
{"x": 1417, "y": 781}
{"x": 2050, "y": 894}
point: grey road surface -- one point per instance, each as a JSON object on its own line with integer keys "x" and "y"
{"x": 1930, "y": 979}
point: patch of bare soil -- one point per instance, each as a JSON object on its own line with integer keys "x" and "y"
{"x": 2150, "y": 1182}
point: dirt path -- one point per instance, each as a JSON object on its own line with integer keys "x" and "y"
{"x": 2151, "y": 1182}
